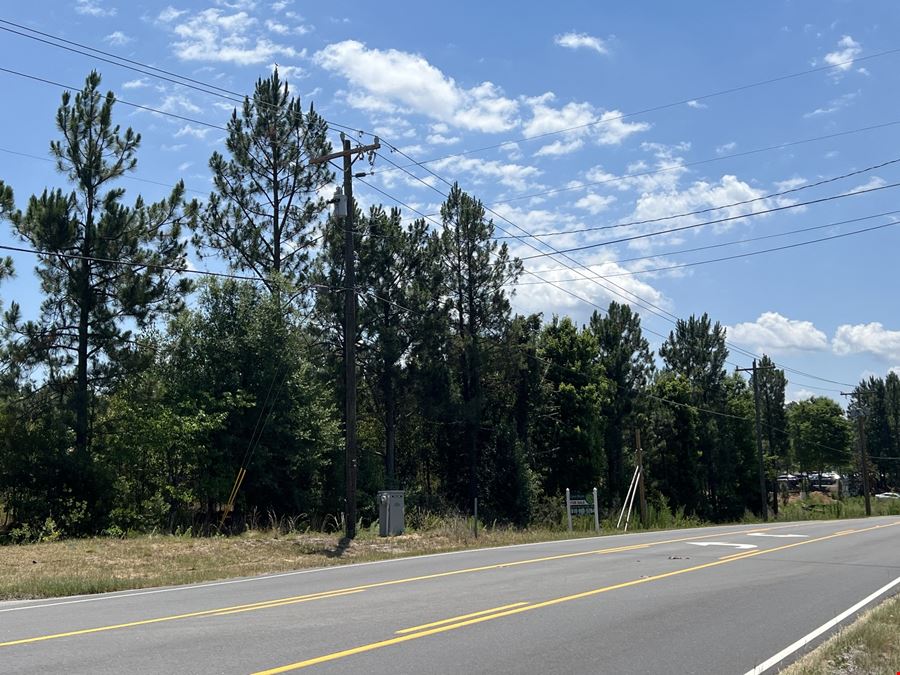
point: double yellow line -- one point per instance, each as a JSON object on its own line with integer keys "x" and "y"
{"x": 509, "y": 610}
{"x": 280, "y": 602}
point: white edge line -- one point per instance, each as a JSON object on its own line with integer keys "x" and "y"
{"x": 265, "y": 577}
{"x": 806, "y": 639}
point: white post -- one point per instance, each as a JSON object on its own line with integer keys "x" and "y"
{"x": 569, "y": 509}
{"x": 596, "y": 512}
{"x": 627, "y": 497}
{"x": 631, "y": 503}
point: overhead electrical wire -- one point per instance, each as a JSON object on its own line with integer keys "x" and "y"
{"x": 734, "y": 242}
{"x": 740, "y": 255}
{"x": 716, "y": 221}
{"x": 711, "y": 209}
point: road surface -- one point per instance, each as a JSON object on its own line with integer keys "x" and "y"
{"x": 712, "y": 600}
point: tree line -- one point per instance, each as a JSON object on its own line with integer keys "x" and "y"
{"x": 132, "y": 398}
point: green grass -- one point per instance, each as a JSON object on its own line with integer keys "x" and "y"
{"x": 850, "y": 507}
{"x": 869, "y": 646}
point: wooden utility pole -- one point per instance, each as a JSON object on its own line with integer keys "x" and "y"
{"x": 640, "y": 462}
{"x": 764, "y": 503}
{"x": 348, "y": 154}
{"x": 860, "y": 414}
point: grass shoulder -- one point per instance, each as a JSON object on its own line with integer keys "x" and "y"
{"x": 869, "y": 645}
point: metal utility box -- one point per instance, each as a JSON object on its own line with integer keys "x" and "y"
{"x": 390, "y": 513}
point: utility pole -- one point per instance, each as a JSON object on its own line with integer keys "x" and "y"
{"x": 640, "y": 462}
{"x": 348, "y": 154}
{"x": 860, "y": 414}
{"x": 764, "y": 503}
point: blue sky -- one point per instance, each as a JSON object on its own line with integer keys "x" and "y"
{"x": 434, "y": 80}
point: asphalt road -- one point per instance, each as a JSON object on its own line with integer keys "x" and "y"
{"x": 638, "y": 603}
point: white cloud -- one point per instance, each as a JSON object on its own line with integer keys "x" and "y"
{"x": 178, "y": 103}
{"x": 833, "y": 106}
{"x": 136, "y": 84}
{"x": 594, "y": 203}
{"x": 94, "y": 8}
{"x": 440, "y": 139}
{"x": 726, "y": 147}
{"x": 177, "y": 147}
{"x": 581, "y": 41}
{"x": 697, "y": 105}
{"x": 184, "y": 166}
{"x": 794, "y": 395}
{"x": 773, "y": 333}
{"x": 871, "y": 184}
{"x": 196, "y": 132}
{"x": 404, "y": 80}
{"x": 842, "y": 58}
{"x": 117, "y": 39}
{"x": 170, "y": 14}
{"x": 289, "y": 72}
{"x": 280, "y": 5}
{"x": 212, "y": 35}
{"x": 871, "y": 338}
{"x": 577, "y": 122}
{"x": 515, "y": 176}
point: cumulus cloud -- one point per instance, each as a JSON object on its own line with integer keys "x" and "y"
{"x": 170, "y": 14}
{"x": 402, "y": 80}
{"x": 516, "y": 176}
{"x": 870, "y": 338}
{"x": 773, "y": 333}
{"x": 117, "y": 39}
{"x": 94, "y": 8}
{"x": 214, "y": 35}
{"x": 594, "y": 203}
{"x": 575, "y": 40}
{"x": 697, "y": 105}
{"x": 136, "y": 84}
{"x": 842, "y": 57}
{"x": 726, "y": 147}
{"x": 577, "y": 122}
{"x": 190, "y": 130}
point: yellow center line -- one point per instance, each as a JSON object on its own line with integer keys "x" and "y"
{"x": 845, "y": 531}
{"x": 277, "y": 602}
{"x": 547, "y": 603}
{"x": 282, "y": 603}
{"x": 733, "y": 555}
{"x": 174, "y": 617}
{"x": 459, "y": 618}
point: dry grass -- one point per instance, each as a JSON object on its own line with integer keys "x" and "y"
{"x": 97, "y": 565}
{"x": 869, "y": 646}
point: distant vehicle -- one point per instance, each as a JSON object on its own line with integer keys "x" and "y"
{"x": 888, "y": 495}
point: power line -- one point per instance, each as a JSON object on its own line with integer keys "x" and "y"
{"x": 739, "y": 255}
{"x": 716, "y": 221}
{"x": 118, "y": 100}
{"x": 135, "y": 178}
{"x": 719, "y": 207}
{"x": 734, "y": 242}
{"x": 132, "y": 263}
{"x": 122, "y": 62}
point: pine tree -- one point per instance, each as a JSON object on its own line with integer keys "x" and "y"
{"x": 476, "y": 268}
{"x": 265, "y": 204}
{"x": 627, "y": 361}
{"x": 103, "y": 264}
